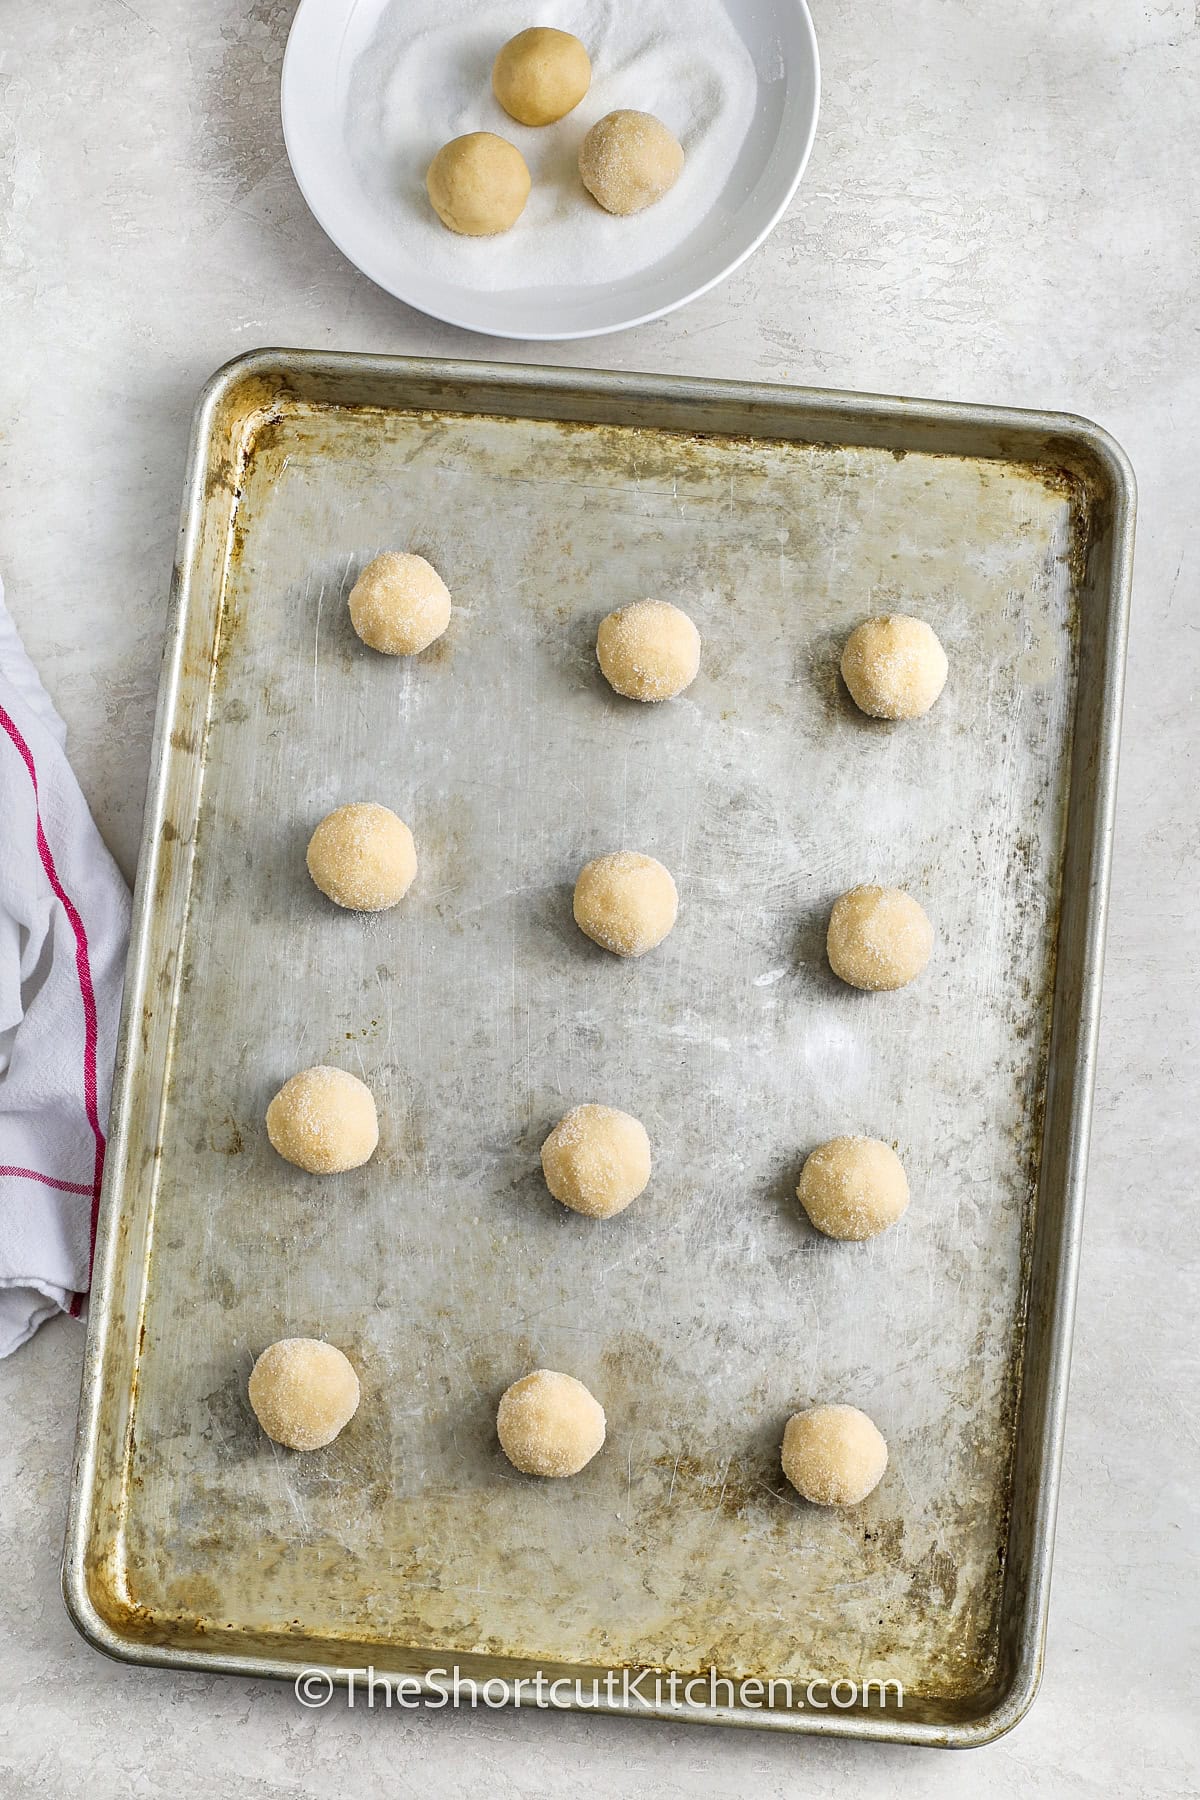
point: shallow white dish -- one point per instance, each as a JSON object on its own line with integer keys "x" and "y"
{"x": 326, "y": 41}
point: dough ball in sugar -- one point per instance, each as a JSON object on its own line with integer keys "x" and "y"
{"x": 894, "y": 666}
{"x": 597, "y": 1160}
{"x": 625, "y": 902}
{"x": 549, "y": 1424}
{"x": 478, "y": 184}
{"x": 853, "y": 1187}
{"x": 399, "y": 604}
{"x": 541, "y": 75}
{"x": 648, "y": 651}
{"x": 303, "y": 1392}
{"x": 879, "y": 938}
{"x": 628, "y": 160}
{"x": 324, "y": 1120}
{"x": 833, "y": 1455}
{"x": 363, "y": 857}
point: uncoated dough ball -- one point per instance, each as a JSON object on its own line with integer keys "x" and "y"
{"x": 833, "y": 1455}
{"x": 478, "y": 184}
{"x": 303, "y": 1391}
{"x": 540, "y": 75}
{"x": 879, "y": 938}
{"x": 853, "y": 1187}
{"x": 597, "y": 1160}
{"x": 648, "y": 651}
{"x": 625, "y": 902}
{"x": 549, "y": 1424}
{"x": 362, "y": 856}
{"x": 324, "y": 1120}
{"x": 399, "y": 604}
{"x": 628, "y": 160}
{"x": 894, "y": 666}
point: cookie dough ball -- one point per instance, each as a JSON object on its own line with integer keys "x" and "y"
{"x": 894, "y": 666}
{"x": 399, "y": 604}
{"x": 648, "y": 651}
{"x": 879, "y": 938}
{"x": 303, "y": 1392}
{"x": 597, "y": 1160}
{"x": 548, "y": 1424}
{"x": 625, "y": 902}
{"x": 478, "y": 184}
{"x": 833, "y": 1455}
{"x": 363, "y": 857}
{"x": 628, "y": 160}
{"x": 324, "y": 1120}
{"x": 853, "y": 1187}
{"x": 541, "y": 75}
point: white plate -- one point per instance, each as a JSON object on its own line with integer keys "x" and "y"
{"x": 326, "y": 40}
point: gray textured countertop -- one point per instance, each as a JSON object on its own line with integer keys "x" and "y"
{"x": 1003, "y": 205}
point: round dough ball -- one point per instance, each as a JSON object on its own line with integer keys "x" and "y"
{"x": 833, "y": 1455}
{"x": 399, "y": 604}
{"x": 303, "y": 1392}
{"x": 548, "y": 1424}
{"x": 363, "y": 857}
{"x": 597, "y": 1160}
{"x": 894, "y": 666}
{"x": 478, "y": 184}
{"x": 540, "y": 75}
{"x": 853, "y": 1187}
{"x": 628, "y": 160}
{"x": 625, "y": 902}
{"x": 879, "y": 938}
{"x": 648, "y": 651}
{"x": 324, "y": 1120}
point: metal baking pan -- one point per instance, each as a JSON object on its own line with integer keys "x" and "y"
{"x": 477, "y": 1013}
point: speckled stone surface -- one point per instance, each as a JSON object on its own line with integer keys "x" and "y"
{"x": 1002, "y": 205}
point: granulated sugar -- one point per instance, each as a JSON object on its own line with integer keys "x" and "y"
{"x": 425, "y": 77}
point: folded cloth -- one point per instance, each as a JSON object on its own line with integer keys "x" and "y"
{"x": 64, "y": 926}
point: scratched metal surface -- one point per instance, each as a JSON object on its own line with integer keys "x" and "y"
{"x": 477, "y": 1014}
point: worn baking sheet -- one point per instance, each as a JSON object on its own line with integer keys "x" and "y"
{"x": 477, "y": 1013}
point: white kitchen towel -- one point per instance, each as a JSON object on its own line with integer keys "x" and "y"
{"x": 64, "y": 926}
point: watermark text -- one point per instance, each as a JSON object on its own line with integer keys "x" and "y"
{"x": 652, "y": 1690}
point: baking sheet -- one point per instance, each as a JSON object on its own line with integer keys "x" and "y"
{"x": 477, "y": 1013}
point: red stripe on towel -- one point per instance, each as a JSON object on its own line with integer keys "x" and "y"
{"x": 87, "y": 993}
{"x": 66, "y": 1187}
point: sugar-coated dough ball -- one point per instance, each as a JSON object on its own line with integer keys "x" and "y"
{"x": 879, "y": 938}
{"x": 597, "y": 1160}
{"x": 303, "y": 1391}
{"x": 648, "y": 651}
{"x": 540, "y": 75}
{"x": 478, "y": 184}
{"x": 625, "y": 902}
{"x": 833, "y": 1455}
{"x": 324, "y": 1120}
{"x": 362, "y": 856}
{"x": 399, "y": 604}
{"x": 894, "y": 666}
{"x": 853, "y": 1187}
{"x": 549, "y": 1424}
{"x": 628, "y": 160}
